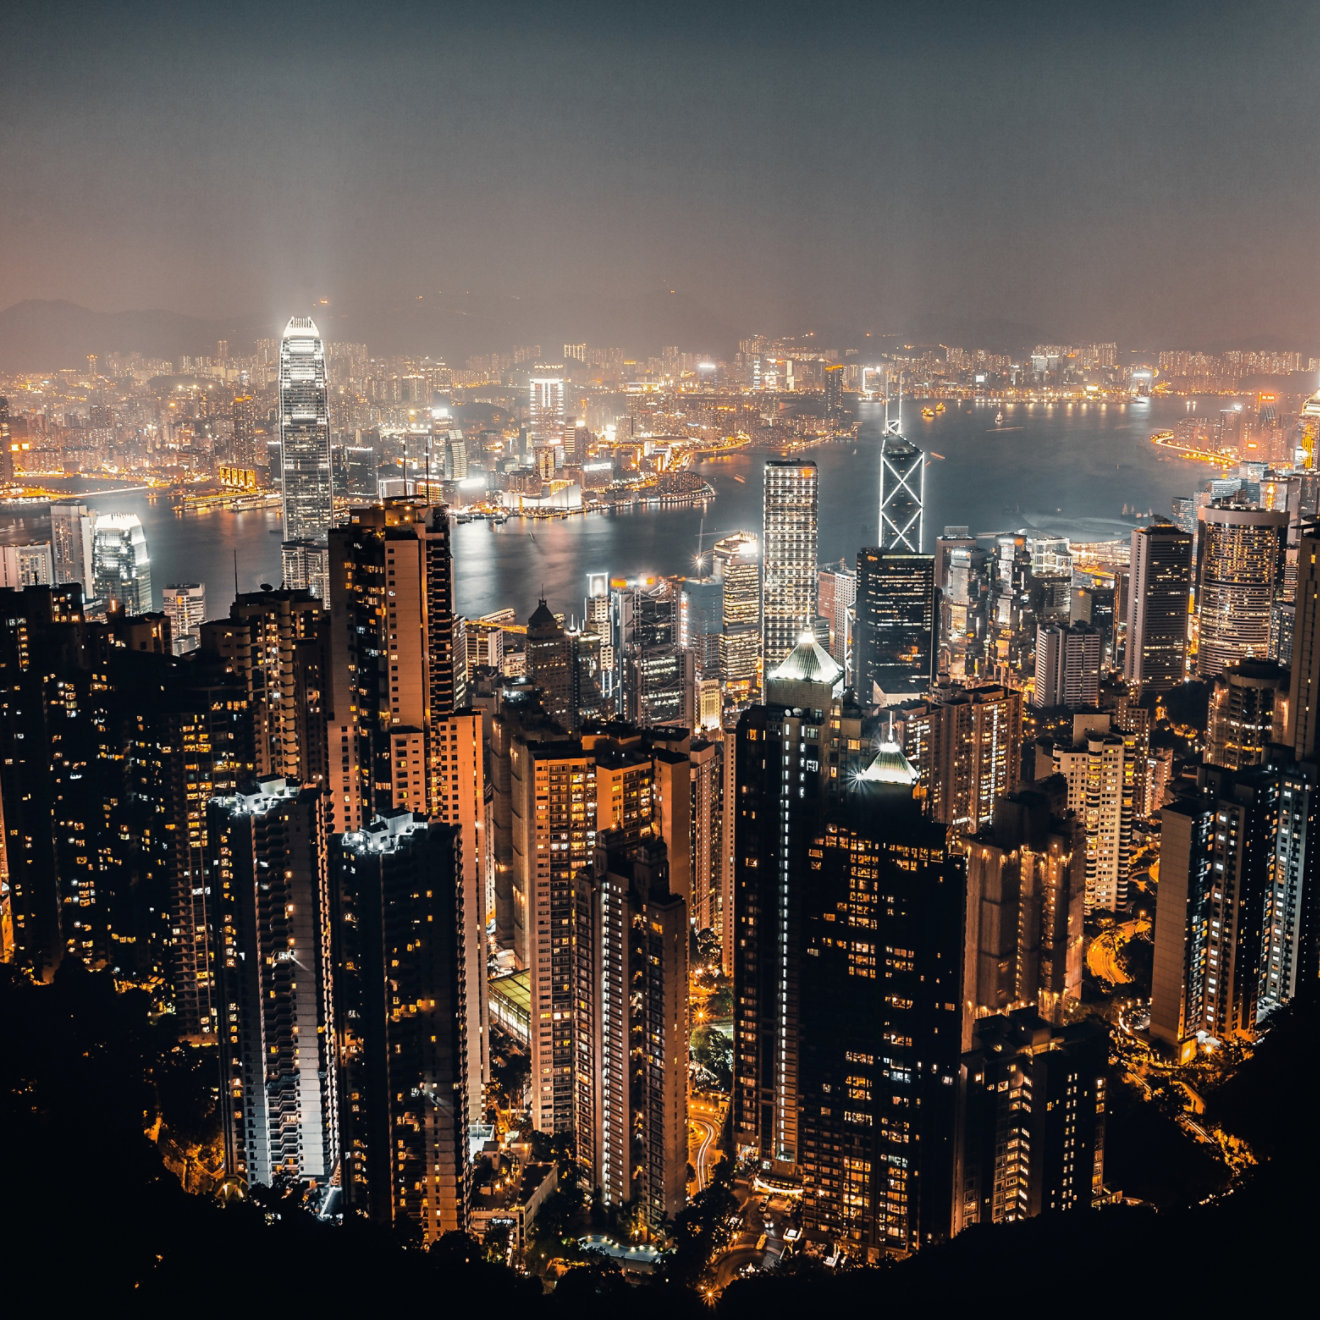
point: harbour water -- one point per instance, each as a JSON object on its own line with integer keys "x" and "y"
{"x": 1058, "y": 469}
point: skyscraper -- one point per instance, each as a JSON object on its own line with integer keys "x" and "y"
{"x": 880, "y": 1006}
{"x": 894, "y": 628}
{"x": 304, "y": 453}
{"x": 545, "y": 410}
{"x": 1067, "y": 667}
{"x": 788, "y": 591}
{"x": 1248, "y": 712}
{"x": 73, "y": 540}
{"x": 1155, "y": 658}
{"x": 1304, "y": 693}
{"x": 184, "y": 604}
{"x": 737, "y": 562}
{"x": 405, "y": 1024}
{"x": 902, "y": 495}
{"x": 122, "y": 566}
{"x": 966, "y": 745}
{"x": 1239, "y": 568}
{"x": 632, "y": 1029}
{"x": 270, "y": 914}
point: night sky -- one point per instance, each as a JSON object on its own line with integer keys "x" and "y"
{"x": 1099, "y": 170}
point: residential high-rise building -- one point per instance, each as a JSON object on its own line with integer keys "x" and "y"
{"x": 1159, "y": 592}
{"x": 1248, "y": 712}
{"x": 1218, "y": 862}
{"x": 397, "y": 658}
{"x": 632, "y": 1029}
{"x": 902, "y": 495}
{"x": 549, "y": 665}
{"x": 1239, "y": 569}
{"x": 737, "y": 562}
{"x": 243, "y": 450}
{"x": 966, "y": 746}
{"x": 1101, "y": 775}
{"x": 788, "y": 589}
{"x": 121, "y": 565}
{"x": 1033, "y": 1128}
{"x": 404, "y": 1025}
{"x": 1026, "y": 886}
{"x": 1303, "y": 733}
{"x": 277, "y": 644}
{"x": 270, "y": 935}
{"x": 896, "y": 615}
{"x": 184, "y": 604}
{"x": 73, "y": 542}
{"x": 398, "y": 736}
{"x": 1067, "y": 667}
{"x": 26, "y": 565}
{"x": 305, "y": 478}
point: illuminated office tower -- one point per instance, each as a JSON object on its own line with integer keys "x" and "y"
{"x": 597, "y": 619}
{"x": 545, "y": 410}
{"x": 701, "y": 622}
{"x": 276, "y": 644}
{"x": 894, "y": 626}
{"x": 549, "y": 663}
{"x": 122, "y": 567}
{"x": 1159, "y": 589}
{"x": 6, "y": 452}
{"x": 304, "y": 454}
{"x": 27, "y": 565}
{"x": 243, "y": 451}
{"x": 788, "y": 589}
{"x": 902, "y": 495}
{"x": 656, "y": 672}
{"x": 73, "y": 539}
{"x": 1248, "y": 712}
{"x": 879, "y": 1006}
{"x": 631, "y": 1117}
{"x": 405, "y": 1025}
{"x": 788, "y": 740}
{"x": 1067, "y": 667}
{"x": 270, "y": 936}
{"x": 184, "y": 604}
{"x": 966, "y": 745}
{"x": 1239, "y": 569}
{"x": 737, "y": 562}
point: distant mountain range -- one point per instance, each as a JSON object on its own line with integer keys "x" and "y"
{"x": 41, "y": 335}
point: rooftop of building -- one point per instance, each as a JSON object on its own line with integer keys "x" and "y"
{"x": 807, "y": 662}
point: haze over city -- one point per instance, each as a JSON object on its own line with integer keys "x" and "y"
{"x": 1114, "y": 172}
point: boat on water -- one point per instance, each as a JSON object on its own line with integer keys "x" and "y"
{"x": 928, "y": 413}
{"x": 736, "y": 477}
{"x": 999, "y": 418}
{"x": 939, "y": 407}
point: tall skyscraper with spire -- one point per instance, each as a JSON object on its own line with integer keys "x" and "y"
{"x": 304, "y": 455}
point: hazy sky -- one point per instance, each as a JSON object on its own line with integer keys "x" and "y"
{"x": 1101, "y": 169}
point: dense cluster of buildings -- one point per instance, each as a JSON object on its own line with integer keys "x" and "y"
{"x": 894, "y": 788}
